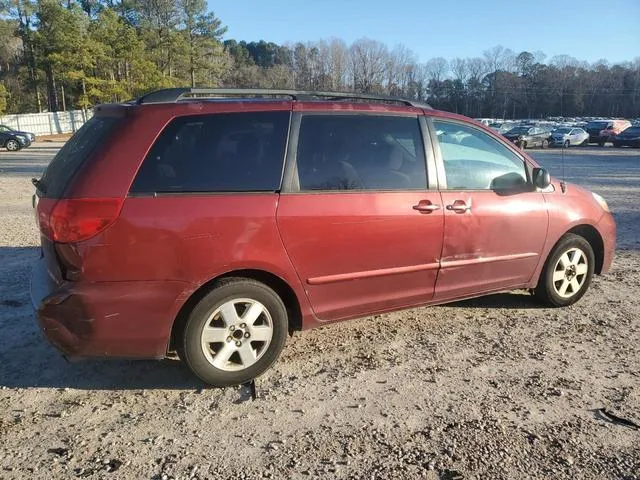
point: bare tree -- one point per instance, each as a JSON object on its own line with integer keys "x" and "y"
{"x": 437, "y": 68}
{"x": 460, "y": 69}
{"x": 368, "y": 61}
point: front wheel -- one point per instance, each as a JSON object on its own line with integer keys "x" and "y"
{"x": 235, "y": 333}
{"x": 12, "y": 145}
{"x": 566, "y": 144}
{"x": 545, "y": 143}
{"x": 567, "y": 273}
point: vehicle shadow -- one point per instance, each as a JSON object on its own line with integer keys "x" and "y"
{"x": 28, "y": 361}
{"x": 510, "y": 300}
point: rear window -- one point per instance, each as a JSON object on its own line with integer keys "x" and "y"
{"x": 74, "y": 153}
{"x": 228, "y": 152}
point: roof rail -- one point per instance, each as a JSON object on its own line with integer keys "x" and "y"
{"x": 170, "y": 95}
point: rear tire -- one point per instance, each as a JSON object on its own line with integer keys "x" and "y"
{"x": 235, "y": 333}
{"x": 567, "y": 273}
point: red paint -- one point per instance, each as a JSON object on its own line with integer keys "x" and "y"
{"x": 118, "y": 291}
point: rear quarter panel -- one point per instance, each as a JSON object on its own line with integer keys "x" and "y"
{"x": 190, "y": 239}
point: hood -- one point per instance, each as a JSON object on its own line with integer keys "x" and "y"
{"x": 629, "y": 135}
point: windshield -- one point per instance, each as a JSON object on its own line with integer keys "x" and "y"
{"x": 74, "y": 153}
{"x": 562, "y": 130}
{"x": 632, "y": 131}
{"x": 519, "y": 130}
{"x": 599, "y": 125}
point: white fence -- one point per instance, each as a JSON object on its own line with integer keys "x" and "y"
{"x": 49, "y": 123}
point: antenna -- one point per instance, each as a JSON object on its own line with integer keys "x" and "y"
{"x": 563, "y": 181}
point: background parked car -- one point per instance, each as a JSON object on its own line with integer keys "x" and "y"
{"x": 8, "y": 129}
{"x": 13, "y": 140}
{"x": 527, "y": 136}
{"x": 594, "y": 127}
{"x": 612, "y": 130}
{"x": 567, "y": 136}
{"x": 502, "y": 127}
{"x": 628, "y": 138}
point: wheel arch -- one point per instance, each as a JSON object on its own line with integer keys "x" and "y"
{"x": 591, "y": 235}
{"x": 280, "y": 286}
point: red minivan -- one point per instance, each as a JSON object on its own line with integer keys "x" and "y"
{"x": 214, "y": 222}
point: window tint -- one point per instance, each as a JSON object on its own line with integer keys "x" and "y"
{"x": 360, "y": 152}
{"x": 230, "y": 152}
{"x": 474, "y": 160}
{"x": 74, "y": 153}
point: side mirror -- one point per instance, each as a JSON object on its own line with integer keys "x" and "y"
{"x": 541, "y": 178}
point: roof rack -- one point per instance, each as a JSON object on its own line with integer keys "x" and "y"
{"x": 170, "y": 95}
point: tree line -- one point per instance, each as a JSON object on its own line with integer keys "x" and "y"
{"x": 64, "y": 54}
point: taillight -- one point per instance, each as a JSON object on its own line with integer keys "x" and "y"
{"x": 76, "y": 219}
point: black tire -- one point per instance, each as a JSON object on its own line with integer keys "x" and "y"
{"x": 523, "y": 145}
{"x": 601, "y": 143}
{"x": 192, "y": 349}
{"x": 585, "y": 143}
{"x": 547, "y": 290}
{"x": 545, "y": 144}
{"x": 566, "y": 144}
{"x": 12, "y": 145}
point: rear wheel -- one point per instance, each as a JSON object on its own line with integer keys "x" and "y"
{"x": 567, "y": 273}
{"x": 523, "y": 144}
{"x": 12, "y": 145}
{"x": 235, "y": 333}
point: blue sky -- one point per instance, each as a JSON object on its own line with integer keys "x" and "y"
{"x": 586, "y": 29}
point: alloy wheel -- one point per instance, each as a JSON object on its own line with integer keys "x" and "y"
{"x": 570, "y": 272}
{"x": 237, "y": 334}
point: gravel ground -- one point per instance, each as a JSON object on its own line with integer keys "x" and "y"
{"x": 491, "y": 388}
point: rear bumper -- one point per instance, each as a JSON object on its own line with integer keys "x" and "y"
{"x": 607, "y": 228}
{"x": 107, "y": 319}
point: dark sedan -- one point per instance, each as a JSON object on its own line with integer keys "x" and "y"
{"x": 14, "y": 140}
{"x": 527, "y": 136}
{"x": 628, "y": 138}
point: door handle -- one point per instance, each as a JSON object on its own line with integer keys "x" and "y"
{"x": 424, "y": 207}
{"x": 459, "y": 206}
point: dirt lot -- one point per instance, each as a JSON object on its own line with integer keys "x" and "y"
{"x": 491, "y": 388}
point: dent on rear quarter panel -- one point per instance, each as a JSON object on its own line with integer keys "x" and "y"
{"x": 190, "y": 239}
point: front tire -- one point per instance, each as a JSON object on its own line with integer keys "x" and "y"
{"x": 566, "y": 144}
{"x": 12, "y": 145}
{"x": 567, "y": 272}
{"x": 235, "y": 333}
{"x": 545, "y": 144}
